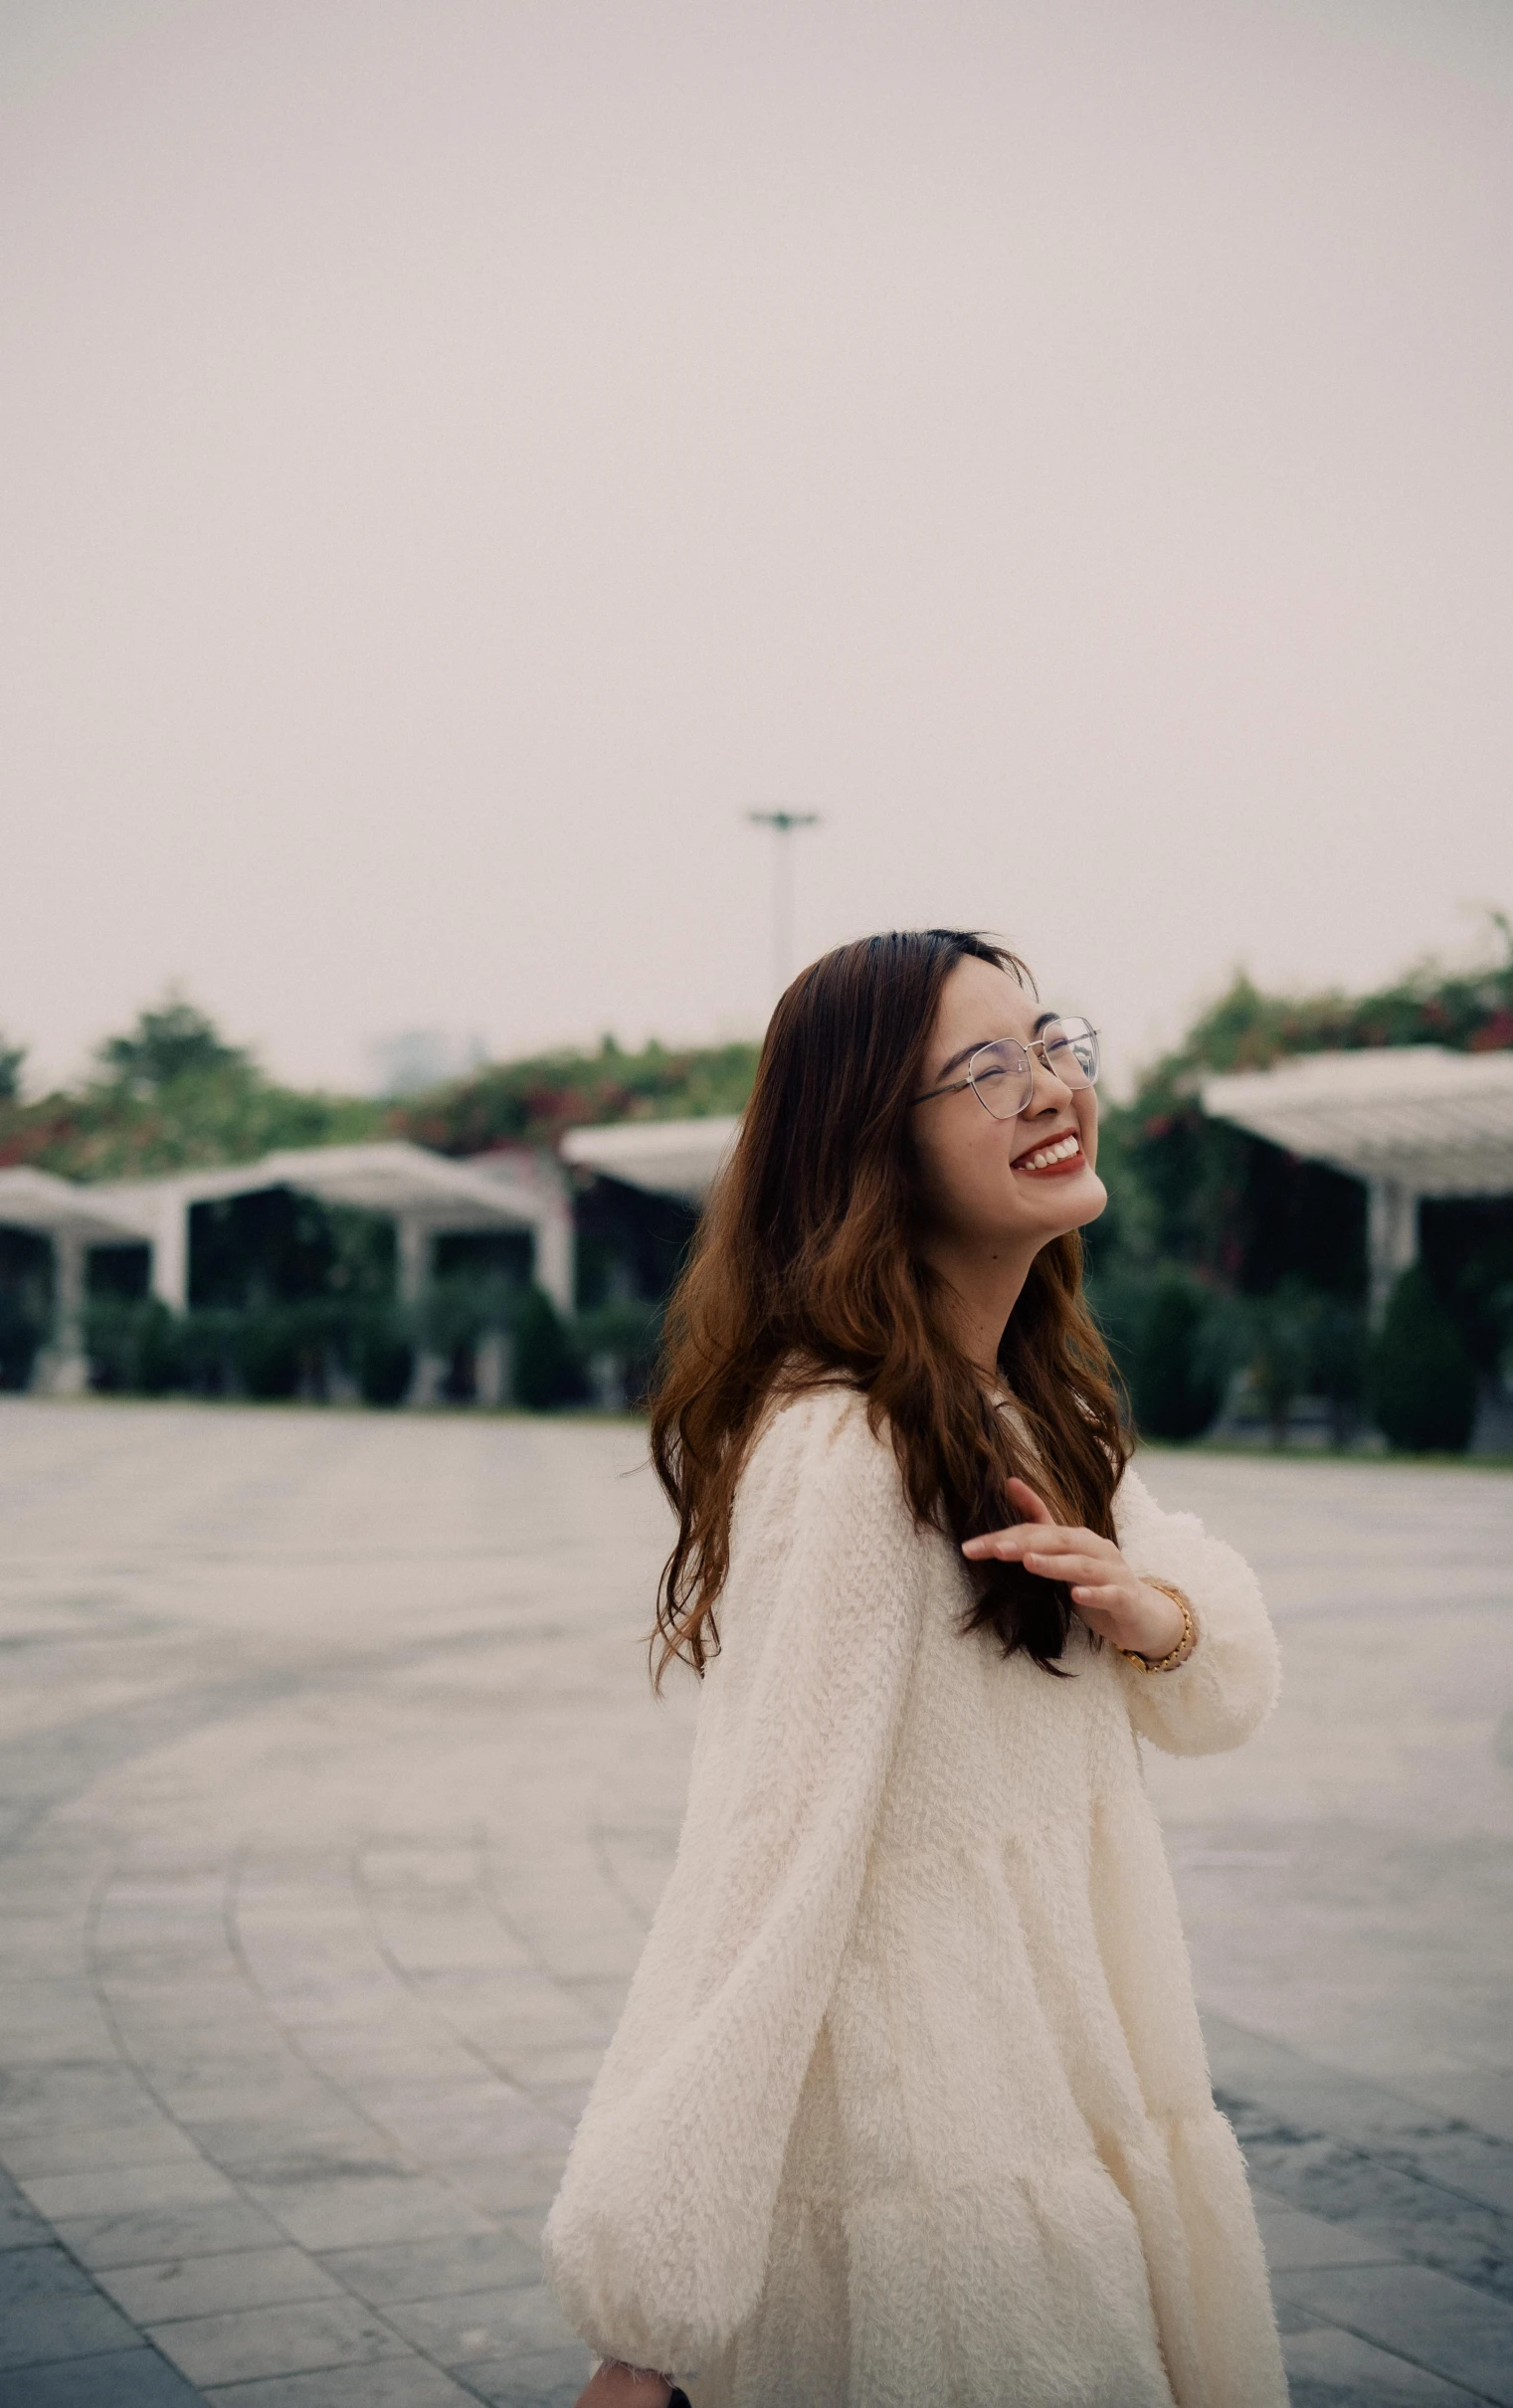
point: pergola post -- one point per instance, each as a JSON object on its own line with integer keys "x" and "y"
{"x": 1392, "y": 1236}
{"x": 169, "y": 1275}
{"x": 65, "y": 1366}
{"x": 553, "y": 1265}
{"x": 412, "y": 1232}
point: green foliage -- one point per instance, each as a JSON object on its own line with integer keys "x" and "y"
{"x": 624, "y": 1332}
{"x": 535, "y": 1100}
{"x": 545, "y": 1373}
{"x": 23, "y": 1327}
{"x": 1164, "y": 1332}
{"x": 1337, "y": 1341}
{"x": 269, "y": 1353}
{"x": 25, "y": 1303}
{"x": 1174, "y": 1381}
{"x": 1281, "y": 1351}
{"x": 1246, "y": 1029}
{"x": 11, "y": 1060}
{"x": 133, "y": 1344}
{"x": 383, "y": 1354}
{"x": 1466, "y": 1243}
{"x": 459, "y": 1310}
{"x": 1244, "y": 1212}
{"x": 171, "y": 1041}
{"x": 1423, "y": 1383}
{"x": 172, "y": 1095}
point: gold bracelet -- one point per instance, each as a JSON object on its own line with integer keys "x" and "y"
{"x": 1185, "y": 1645}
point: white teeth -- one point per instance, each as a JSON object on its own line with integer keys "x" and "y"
{"x": 1061, "y": 1152}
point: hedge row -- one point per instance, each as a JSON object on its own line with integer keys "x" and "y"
{"x": 1180, "y": 1347}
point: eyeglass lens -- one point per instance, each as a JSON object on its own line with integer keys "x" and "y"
{"x": 1003, "y": 1074}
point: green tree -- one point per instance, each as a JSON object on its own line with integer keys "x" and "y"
{"x": 171, "y": 1041}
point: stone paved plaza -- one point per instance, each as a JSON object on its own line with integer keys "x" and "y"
{"x": 333, "y": 1808}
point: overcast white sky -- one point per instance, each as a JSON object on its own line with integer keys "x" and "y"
{"x": 458, "y": 457}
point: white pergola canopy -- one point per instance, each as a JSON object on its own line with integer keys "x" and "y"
{"x": 74, "y": 1219}
{"x": 678, "y": 1158}
{"x": 1409, "y": 1120}
{"x": 57, "y": 1208}
{"x": 425, "y": 1192}
{"x": 1441, "y": 1123}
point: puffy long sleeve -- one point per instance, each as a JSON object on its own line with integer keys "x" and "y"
{"x": 656, "y": 2244}
{"x": 1229, "y": 1684}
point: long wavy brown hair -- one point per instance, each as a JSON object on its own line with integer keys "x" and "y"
{"x": 807, "y": 1271}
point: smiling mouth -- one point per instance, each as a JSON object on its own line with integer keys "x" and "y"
{"x": 1052, "y": 1161}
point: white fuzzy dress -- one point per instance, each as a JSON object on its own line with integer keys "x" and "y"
{"x": 909, "y": 2105}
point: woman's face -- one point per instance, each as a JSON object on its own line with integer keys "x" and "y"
{"x": 987, "y": 1183}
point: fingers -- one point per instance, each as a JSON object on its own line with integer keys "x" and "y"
{"x": 1024, "y": 1539}
{"x": 1099, "y": 1598}
{"x": 1034, "y": 1508}
{"x": 1069, "y": 1568}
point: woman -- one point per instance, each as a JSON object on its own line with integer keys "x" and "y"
{"x": 908, "y": 2104}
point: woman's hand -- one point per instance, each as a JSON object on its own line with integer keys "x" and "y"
{"x": 1105, "y": 1593}
{"x": 617, "y": 2386}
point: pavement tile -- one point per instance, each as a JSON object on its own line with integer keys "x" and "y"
{"x": 130, "y": 2378}
{"x": 527, "y": 2224}
{"x": 20, "y": 2226}
{"x": 549, "y": 2378}
{"x": 292, "y": 2339}
{"x": 1292, "y": 2319}
{"x": 46, "y": 2272}
{"x": 345, "y": 2213}
{"x": 195, "y": 2287}
{"x": 502, "y": 2186}
{"x": 72, "y": 2153}
{"x": 152, "y": 2235}
{"x": 50, "y": 2098}
{"x": 1461, "y": 2334}
{"x": 244, "y": 2141}
{"x": 193, "y": 2101}
{"x": 1328, "y": 2370}
{"x": 120, "y": 2189}
{"x": 1483, "y": 2099}
{"x": 64, "y": 2324}
{"x": 399, "y": 2382}
{"x": 432, "y": 2270}
{"x": 564, "y": 2100}
{"x": 481, "y": 2323}
{"x": 1474, "y": 2162}
{"x": 363, "y": 2155}
{"x": 1296, "y": 2240}
{"x": 543, "y": 2068}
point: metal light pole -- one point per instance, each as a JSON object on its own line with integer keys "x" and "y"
{"x": 782, "y": 823}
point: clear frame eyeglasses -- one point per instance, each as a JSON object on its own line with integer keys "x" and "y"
{"x": 1002, "y": 1075}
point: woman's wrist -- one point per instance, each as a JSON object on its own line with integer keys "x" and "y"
{"x": 1168, "y": 1632}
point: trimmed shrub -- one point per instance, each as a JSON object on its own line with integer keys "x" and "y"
{"x": 1339, "y": 1363}
{"x": 22, "y": 1330}
{"x": 1281, "y": 1351}
{"x": 622, "y": 1336}
{"x": 133, "y": 1342}
{"x": 1175, "y": 1384}
{"x": 269, "y": 1355}
{"x": 1423, "y": 1384}
{"x": 383, "y": 1355}
{"x": 545, "y": 1373}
